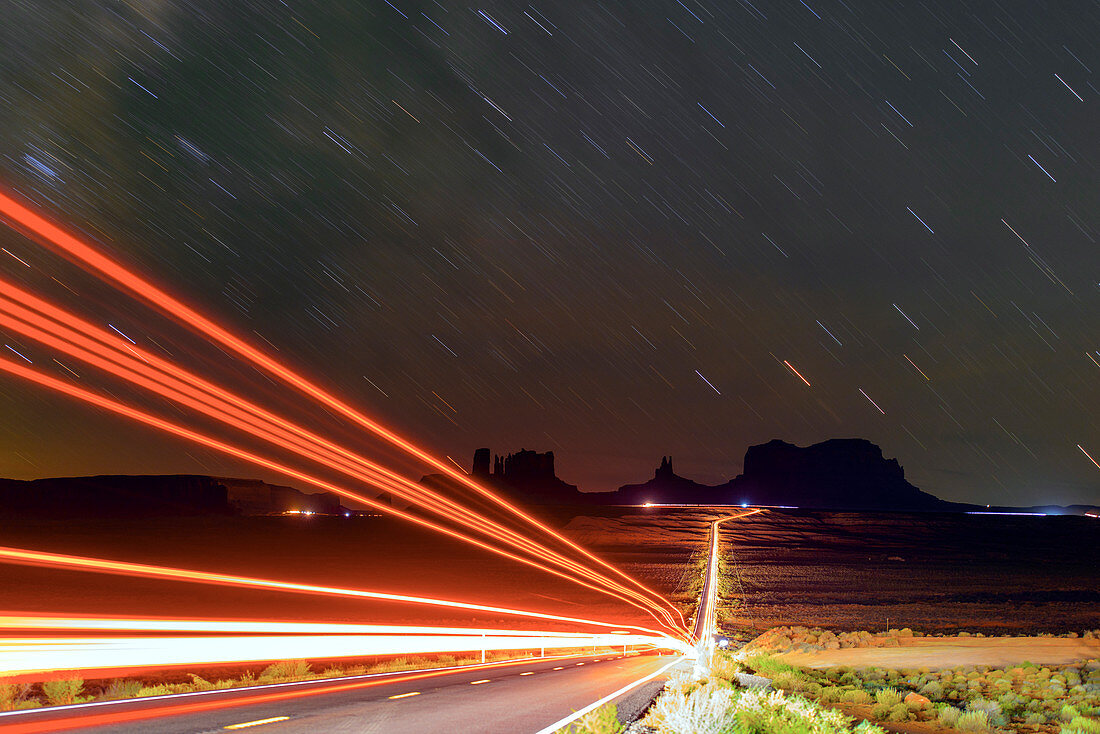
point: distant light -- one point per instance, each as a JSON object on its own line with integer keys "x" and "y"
{"x": 1026, "y": 514}
{"x": 347, "y": 514}
{"x": 648, "y": 504}
{"x": 744, "y": 504}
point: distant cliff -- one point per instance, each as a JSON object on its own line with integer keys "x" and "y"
{"x": 526, "y": 476}
{"x": 847, "y": 474}
{"x": 147, "y": 495}
{"x": 842, "y": 473}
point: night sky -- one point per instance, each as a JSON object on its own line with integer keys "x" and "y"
{"x": 614, "y": 230}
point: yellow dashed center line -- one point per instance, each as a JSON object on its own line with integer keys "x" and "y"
{"x": 405, "y": 695}
{"x": 529, "y": 672}
{"x": 479, "y": 682}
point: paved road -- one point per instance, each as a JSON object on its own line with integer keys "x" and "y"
{"x": 507, "y": 702}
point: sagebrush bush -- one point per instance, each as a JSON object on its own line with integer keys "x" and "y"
{"x": 200, "y": 684}
{"x": 724, "y": 667}
{"x": 286, "y": 670}
{"x": 888, "y": 697}
{"x": 62, "y": 692}
{"x": 702, "y": 710}
{"x": 973, "y": 721}
{"x": 991, "y": 709}
{"x": 117, "y": 689}
{"x": 880, "y": 711}
{"x": 1082, "y": 725}
{"x": 602, "y": 720}
{"x": 858, "y": 697}
{"x": 899, "y": 713}
{"x": 7, "y": 696}
{"x": 932, "y": 690}
{"x": 785, "y": 682}
{"x": 948, "y": 716}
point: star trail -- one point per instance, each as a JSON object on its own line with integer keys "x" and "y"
{"x": 540, "y": 225}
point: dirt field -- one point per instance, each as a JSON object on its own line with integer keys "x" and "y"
{"x": 936, "y": 653}
{"x": 931, "y": 572}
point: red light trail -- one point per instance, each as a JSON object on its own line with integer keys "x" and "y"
{"x": 177, "y": 384}
{"x": 126, "y": 568}
{"x": 24, "y": 656}
{"x": 173, "y": 428}
{"x": 99, "y": 264}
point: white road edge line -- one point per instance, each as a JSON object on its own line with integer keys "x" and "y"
{"x": 596, "y": 704}
{"x": 44, "y": 710}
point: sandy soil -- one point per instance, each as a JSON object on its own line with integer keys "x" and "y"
{"x": 936, "y": 653}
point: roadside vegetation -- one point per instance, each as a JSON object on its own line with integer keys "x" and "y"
{"x": 60, "y": 692}
{"x": 979, "y": 699}
{"x": 717, "y": 705}
{"x": 1052, "y": 699}
{"x": 967, "y": 698}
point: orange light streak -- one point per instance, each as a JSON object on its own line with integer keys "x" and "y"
{"x": 468, "y": 518}
{"x": 169, "y": 427}
{"x": 39, "y": 622}
{"x": 29, "y": 656}
{"x": 228, "y": 405}
{"x": 43, "y": 230}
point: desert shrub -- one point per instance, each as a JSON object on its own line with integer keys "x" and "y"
{"x": 286, "y": 670}
{"x": 200, "y": 684}
{"x": 9, "y": 694}
{"x": 880, "y": 711}
{"x": 1082, "y": 725}
{"x": 164, "y": 689}
{"x": 888, "y": 697}
{"x": 899, "y": 713}
{"x": 768, "y": 666}
{"x": 755, "y": 711}
{"x": 832, "y": 694}
{"x": 932, "y": 690}
{"x": 117, "y": 689}
{"x": 991, "y": 709}
{"x": 724, "y": 667}
{"x": 973, "y": 721}
{"x": 602, "y": 720}
{"x": 948, "y": 716}
{"x": 62, "y": 692}
{"x": 700, "y": 710}
{"x": 851, "y": 678}
{"x": 857, "y": 697}
{"x": 1068, "y": 713}
{"x": 785, "y": 682}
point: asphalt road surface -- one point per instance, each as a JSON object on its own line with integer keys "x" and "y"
{"x": 507, "y": 699}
